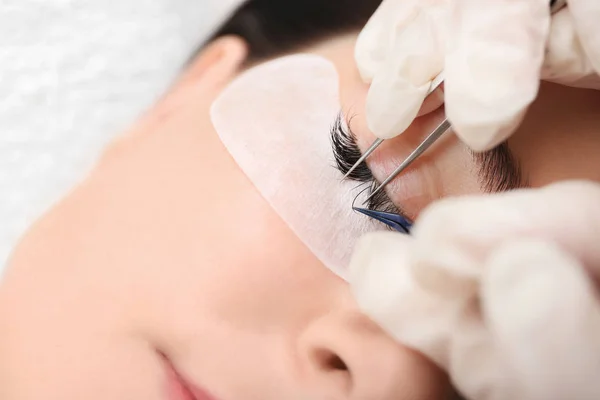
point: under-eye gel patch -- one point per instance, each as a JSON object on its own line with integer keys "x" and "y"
{"x": 275, "y": 121}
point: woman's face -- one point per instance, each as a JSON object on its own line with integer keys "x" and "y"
{"x": 165, "y": 267}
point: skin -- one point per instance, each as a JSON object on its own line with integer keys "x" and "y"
{"x": 145, "y": 266}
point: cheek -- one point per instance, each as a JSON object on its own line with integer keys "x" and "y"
{"x": 246, "y": 278}
{"x": 204, "y": 248}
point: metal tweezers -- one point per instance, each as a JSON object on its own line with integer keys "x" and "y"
{"x": 425, "y": 144}
{"x": 395, "y": 221}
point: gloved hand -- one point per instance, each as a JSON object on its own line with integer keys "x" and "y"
{"x": 501, "y": 291}
{"x": 492, "y": 53}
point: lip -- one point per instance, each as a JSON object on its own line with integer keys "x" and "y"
{"x": 178, "y": 388}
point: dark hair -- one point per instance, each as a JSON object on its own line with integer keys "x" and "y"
{"x": 276, "y": 27}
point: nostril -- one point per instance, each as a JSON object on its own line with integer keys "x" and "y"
{"x": 337, "y": 363}
{"x": 331, "y": 371}
{"x": 329, "y": 361}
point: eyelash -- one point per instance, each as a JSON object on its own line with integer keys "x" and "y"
{"x": 346, "y": 153}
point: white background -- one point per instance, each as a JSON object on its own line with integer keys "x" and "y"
{"x": 73, "y": 73}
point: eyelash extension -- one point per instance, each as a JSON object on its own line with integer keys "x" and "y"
{"x": 346, "y": 153}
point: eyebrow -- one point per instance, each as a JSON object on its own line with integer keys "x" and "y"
{"x": 499, "y": 170}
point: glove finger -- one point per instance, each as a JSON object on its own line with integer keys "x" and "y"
{"x": 464, "y": 230}
{"x": 374, "y": 42}
{"x": 385, "y": 291}
{"x": 586, "y": 14}
{"x": 450, "y": 333}
{"x": 473, "y": 367}
{"x": 543, "y": 312}
{"x": 401, "y": 84}
{"x": 566, "y": 60}
{"x": 490, "y": 81}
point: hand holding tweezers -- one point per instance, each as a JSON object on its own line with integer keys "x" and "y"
{"x": 555, "y": 6}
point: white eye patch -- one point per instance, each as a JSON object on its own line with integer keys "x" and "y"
{"x": 275, "y": 121}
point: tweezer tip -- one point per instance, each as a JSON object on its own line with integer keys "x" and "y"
{"x": 363, "y": 211}
{"x": 364, "y": 157}
{"x": 356, "y": 164}
{"x": 373, "y": 193}
{"x": 394, "y": 221}
{"x": 369, "y": 213}
{"x": 378, "y": 215}
{"x": 347, "y": 174}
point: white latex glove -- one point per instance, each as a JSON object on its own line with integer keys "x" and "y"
{"x": 493, "y": 54}
{"x": 501, "y": 291}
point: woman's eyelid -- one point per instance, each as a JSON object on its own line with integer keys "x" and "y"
{"x": 415, "y": 189}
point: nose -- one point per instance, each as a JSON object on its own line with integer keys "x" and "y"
{"x": 348, "y": 357}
